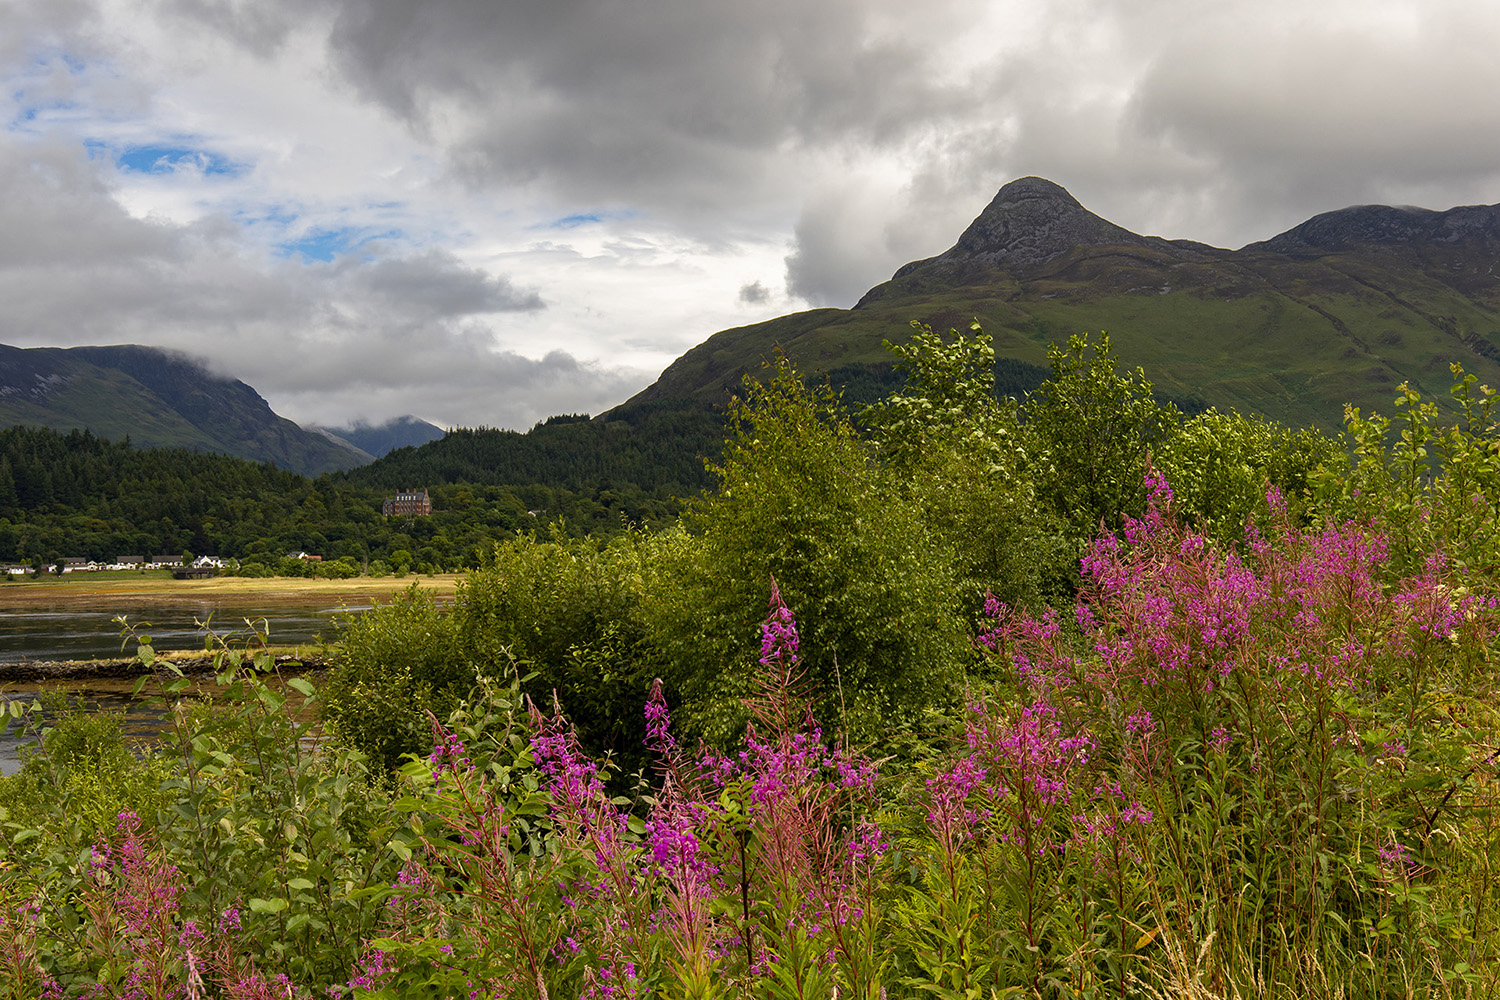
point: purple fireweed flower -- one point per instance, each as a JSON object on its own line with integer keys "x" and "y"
{"x": 1140, "y": 724}
{"x": 1275, "y": 501}
{"x": 1161, "y": 490}
{"x": 372, "y": 971}
{"x": 948, "y": 792}
{"x": 659, "y": 722}
{"x": 856, "y": 774}
{"x": 677, "y": 852}
{"x": 573, "y": 778}
{"x": 779, "y": 641}
{"x": 867, "y": 844}
{"x": 449, "y": 755}
{"x": 1395, "y": 858}
{"x": 229, "y": 920}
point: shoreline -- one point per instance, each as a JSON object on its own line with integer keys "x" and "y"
{"x": 191, "y": 664}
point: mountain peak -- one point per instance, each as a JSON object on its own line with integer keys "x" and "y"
{"x": 1030, "y": 221}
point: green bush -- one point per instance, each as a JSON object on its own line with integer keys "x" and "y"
{"x": 80, "y": 770}
{"x": 800, "y": 506}
{"x": 396, "y": 663}
{"x": 569, "y": 611}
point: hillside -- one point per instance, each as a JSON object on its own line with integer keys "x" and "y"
{"x": 158, "y": 400}
{"x": 1339, "y": 309}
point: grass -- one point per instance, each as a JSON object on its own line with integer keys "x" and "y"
{"x": 160, "y": 584}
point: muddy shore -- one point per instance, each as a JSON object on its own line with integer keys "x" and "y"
{"x": 30, "y": 671}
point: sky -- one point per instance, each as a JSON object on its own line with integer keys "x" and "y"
{"x": 485, "y": 212}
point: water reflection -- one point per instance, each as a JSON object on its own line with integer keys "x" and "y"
{"x": 86, "y": 630}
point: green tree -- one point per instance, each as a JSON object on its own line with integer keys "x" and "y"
{"x": 800, "y": 502}
{"x": 1092, "y": 430}
{"x": 959, "y": 452}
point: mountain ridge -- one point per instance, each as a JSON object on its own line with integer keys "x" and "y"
{"x": 1339, "y": 309}
{"x": 157, "y": 398}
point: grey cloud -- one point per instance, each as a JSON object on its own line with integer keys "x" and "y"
{"x": 852, "y": 237}
{"x": 458, "y": 388}
{"x": 1284, "y": 120}
{"x": 831, "y": 265}
{"x": 672, "y": 104}
{"x": 57, "y": 211}
{"x": 30, "y": 26}
{"x": 260, "y": 27}
{"x": 438, "y": 284}
{"x": 754, "y": 293}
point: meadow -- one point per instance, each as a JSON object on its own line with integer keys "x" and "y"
{"x": 1066, "y": 697}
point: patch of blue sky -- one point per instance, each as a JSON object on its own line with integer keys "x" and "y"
{"x": 326, "y": 244}
{"x": 29, "y": 113}
{"x": 175, "y": 159}
{"x": 583, "y": 219}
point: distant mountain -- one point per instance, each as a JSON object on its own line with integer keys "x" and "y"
{"x": 381, "y": 439}
{"x": 1339, "y": 309}
{"x": 157, "y": 399}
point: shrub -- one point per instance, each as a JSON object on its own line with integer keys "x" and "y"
{"x": 395, "y": 663}
{"x": 800, "y": 502}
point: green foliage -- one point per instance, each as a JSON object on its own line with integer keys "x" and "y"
{"x": 396, "y": 663}
{"x": 569, "y": 610}
{"x": 245, "y": 829}
{"x": 962, "y": 457}
{"x": 800, "y": 503}
{"x": 77, "y": 494}
{"x": 1429, "y": 480}
{"x": 564, "y": 610}
{"x": 79, "y": 758}
{"x": 1220, "y": 465}
{"x": 948, "y": 403}
{"x": 643, "y": 454}
{"x": 1093, "y": 430}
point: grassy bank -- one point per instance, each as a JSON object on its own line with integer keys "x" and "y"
{"x": 229, "y": 589}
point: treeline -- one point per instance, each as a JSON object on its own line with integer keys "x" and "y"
{"x": 652, "y": 448}
{"x": 76, "y": 494}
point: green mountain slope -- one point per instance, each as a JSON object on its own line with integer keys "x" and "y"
{"x": 1340, "y": 309}
{"x": 157, "y": 400}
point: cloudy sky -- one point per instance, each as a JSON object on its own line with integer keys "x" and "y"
{"x": 488, "y": 211}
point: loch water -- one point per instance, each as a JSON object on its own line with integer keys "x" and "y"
{"x": 86, "y": 630}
